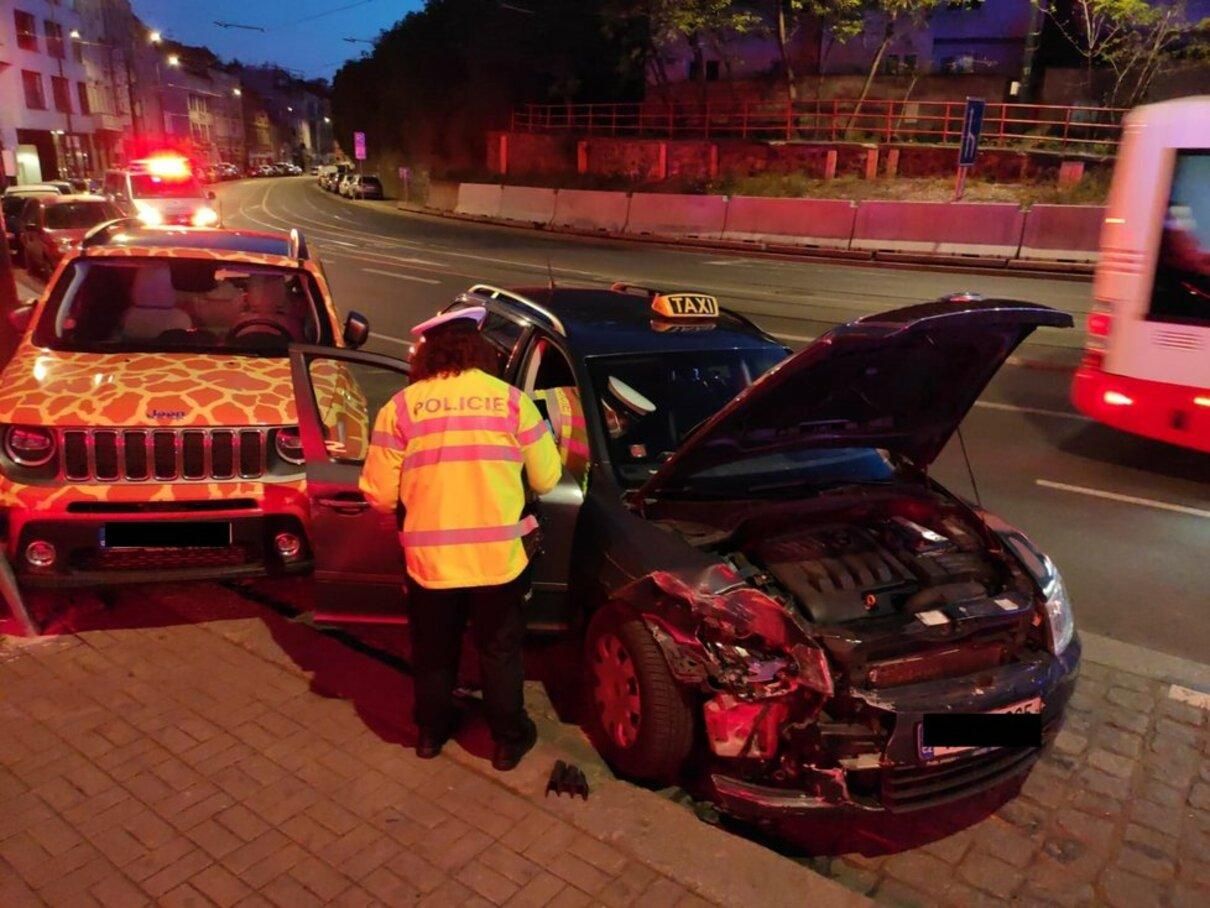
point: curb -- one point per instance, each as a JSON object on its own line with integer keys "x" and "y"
{"x": 1149, "y": 663}
{"x": 1070, "y": 271}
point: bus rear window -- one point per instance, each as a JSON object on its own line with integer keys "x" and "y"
{"x": 1182, "y": 273}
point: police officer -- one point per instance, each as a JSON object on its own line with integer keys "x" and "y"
{"x": 451, "y": 447}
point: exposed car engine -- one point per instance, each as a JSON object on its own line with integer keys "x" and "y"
{"x": 841, "y": 572}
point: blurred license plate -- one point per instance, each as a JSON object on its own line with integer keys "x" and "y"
{"x": 1021, "y": 727}
{"x": 168, "y": 534}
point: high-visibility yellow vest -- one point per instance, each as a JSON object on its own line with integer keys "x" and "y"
{"x": 571, "y": 432}
{"x": 452, "y": 449}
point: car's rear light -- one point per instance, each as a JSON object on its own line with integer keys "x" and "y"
{"x": 30, "y": 446}
{"x": 1117, "y": 399}
{"x": 1099, "y": 324}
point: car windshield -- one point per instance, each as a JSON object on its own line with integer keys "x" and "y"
{"x": 650, "y": 403}
{"x": 180, "y": 304}
{"x": 79, "y": 215}
{"x": 149, "y": 186}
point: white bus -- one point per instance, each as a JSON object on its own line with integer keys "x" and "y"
{"x": 1146, "y": 366}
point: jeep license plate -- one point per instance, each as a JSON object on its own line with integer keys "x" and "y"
{"x": 166, "y": 534}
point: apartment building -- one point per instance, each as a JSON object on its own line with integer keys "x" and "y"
{"x": 48, "y": 93}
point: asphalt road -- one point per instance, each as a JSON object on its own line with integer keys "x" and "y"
{"x": 1126, "y": 519}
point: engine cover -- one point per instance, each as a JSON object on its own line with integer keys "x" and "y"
{"x": 838, "y": 573}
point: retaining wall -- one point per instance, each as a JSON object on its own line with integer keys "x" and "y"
{"x": 668, "y": 214}
{"x": 947, "y": 228}
{"x": 1063, "y": 232}
{"x": 479, "y": 199}
{"x": 800, "y": 222}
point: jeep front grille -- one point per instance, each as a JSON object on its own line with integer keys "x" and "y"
{"x": 159, "y": 455}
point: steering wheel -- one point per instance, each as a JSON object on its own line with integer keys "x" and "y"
{"x": 247, "y": 325}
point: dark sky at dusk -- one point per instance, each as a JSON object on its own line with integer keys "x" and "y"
{"x": 303, "y": 35}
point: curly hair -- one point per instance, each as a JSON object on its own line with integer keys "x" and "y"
{"x": 451, "y": 349}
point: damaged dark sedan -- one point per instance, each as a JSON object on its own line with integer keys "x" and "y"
{"x": 770, "y": 587}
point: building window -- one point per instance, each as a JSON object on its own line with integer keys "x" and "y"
{"x": 35, "y": 98}
{"x": 27, "y": 30}
{"x": 60, "y": 88}
{"x": 54, "y": 38}
{"x": 82, "y": 95}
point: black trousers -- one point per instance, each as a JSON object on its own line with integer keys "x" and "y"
{"x": 438, "y": 620}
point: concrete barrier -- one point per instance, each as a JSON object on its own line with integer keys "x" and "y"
{"x": 1063, "y": 232}
{"x": 953, "y": 228}
{"x": 797, "y": 222}
{"x": 528, "y": 204}
{"x": 479, "y": 199}
{"x": 591, "y": 209}
{"x": 668, "y": 214}
{"x": 442, "y": 196}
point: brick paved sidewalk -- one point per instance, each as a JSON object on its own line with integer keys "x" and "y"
{"x": 249, "y": 760}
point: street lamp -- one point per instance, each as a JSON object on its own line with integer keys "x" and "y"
{"x": 74, "y": 34}
{"x": 173, "y": 60}
{"x": 237, "y": 92}
{"x": 155, "y": 37}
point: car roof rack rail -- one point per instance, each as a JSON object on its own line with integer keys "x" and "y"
{"x": 103, "y": 232}
{"x": 495, "y": 292}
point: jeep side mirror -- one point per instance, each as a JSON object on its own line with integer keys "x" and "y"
{"x": 357, "y": 330}
{"x": 19, "y": 318}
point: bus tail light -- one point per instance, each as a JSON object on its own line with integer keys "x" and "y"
{"x": 1117, "y": 399}
{"x": 1202, "y": 400}
{"x": 1099, "y": 324}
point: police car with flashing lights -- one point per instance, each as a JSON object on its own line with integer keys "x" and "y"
{"x": 774, "y": 596}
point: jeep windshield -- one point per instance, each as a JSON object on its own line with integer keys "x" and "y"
{"x": 180, "y": 304}
{"x": 650, "y": 403}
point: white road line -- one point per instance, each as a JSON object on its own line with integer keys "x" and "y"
{"x": 401, "y": 276}
{"x": 1125, "y": 499}
{"x": 343, "y": 243}
{"x": 391, "y": 338}
{"x": 1037, "y": 411}
{"x": 1196, "y": 698}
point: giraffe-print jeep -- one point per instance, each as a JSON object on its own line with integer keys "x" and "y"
{"x": 147, "y": 418}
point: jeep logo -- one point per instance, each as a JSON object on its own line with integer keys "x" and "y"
{"x": 154, "y": 413}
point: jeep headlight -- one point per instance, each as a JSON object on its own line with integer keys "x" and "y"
{"x": 1060, "y": 622}
{"x": 29, "y": 446}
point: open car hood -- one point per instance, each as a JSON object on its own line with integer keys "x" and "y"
{"x": 901, "y": 381}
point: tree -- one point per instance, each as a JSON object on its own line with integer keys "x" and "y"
{"x": 892, "y": 13}
{"x": 1133, "y": 39}
{"x": 841, "y": 19}
{"x": 665, "y": 23}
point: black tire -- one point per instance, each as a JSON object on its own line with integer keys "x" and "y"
{"x": 665, "y": 721}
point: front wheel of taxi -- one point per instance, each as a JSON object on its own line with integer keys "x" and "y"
{"x": 639, "y": 717}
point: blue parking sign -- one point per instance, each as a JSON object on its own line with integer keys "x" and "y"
{"x": 972, "y": 125}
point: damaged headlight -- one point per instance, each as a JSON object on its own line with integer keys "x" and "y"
{"x": 1060, "y": 622}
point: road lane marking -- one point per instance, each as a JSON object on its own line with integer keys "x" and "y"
{"x": 401, "y": 276}
{"x": 1036, "y": 411}
{"x": 1197, "y": 698}
{"x": 1125, "y": 499}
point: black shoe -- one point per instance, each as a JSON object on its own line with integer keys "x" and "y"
{"x": 429, "y": 742}
{"x": 509, "y": 753}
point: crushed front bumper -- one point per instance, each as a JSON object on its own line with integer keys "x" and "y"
{"x": 901, "y": 781}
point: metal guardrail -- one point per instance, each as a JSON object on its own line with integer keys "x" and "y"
{"x": 1043, "y": 127}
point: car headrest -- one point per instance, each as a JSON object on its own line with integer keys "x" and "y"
{"x": 152, "y": 288}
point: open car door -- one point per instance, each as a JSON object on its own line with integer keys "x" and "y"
{"x": 359, "y": 568}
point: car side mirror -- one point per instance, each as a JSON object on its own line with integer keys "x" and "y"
{"x": 20, "y": 317}
{"x": 210, "y": 195}
{"x": 357, "y": 330}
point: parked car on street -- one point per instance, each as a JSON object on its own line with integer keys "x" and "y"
{"x": 52, "y": 227}
{"x": 147, "y": 420}
{"x": 363, "y": 186}
{"x": 779, "y": 605}
{"x": 13, "y": 205}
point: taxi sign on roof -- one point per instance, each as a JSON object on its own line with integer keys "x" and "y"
{"x": 685, "y": 305}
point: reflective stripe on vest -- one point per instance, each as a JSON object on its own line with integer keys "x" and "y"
{"x": 470, "y": 535}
